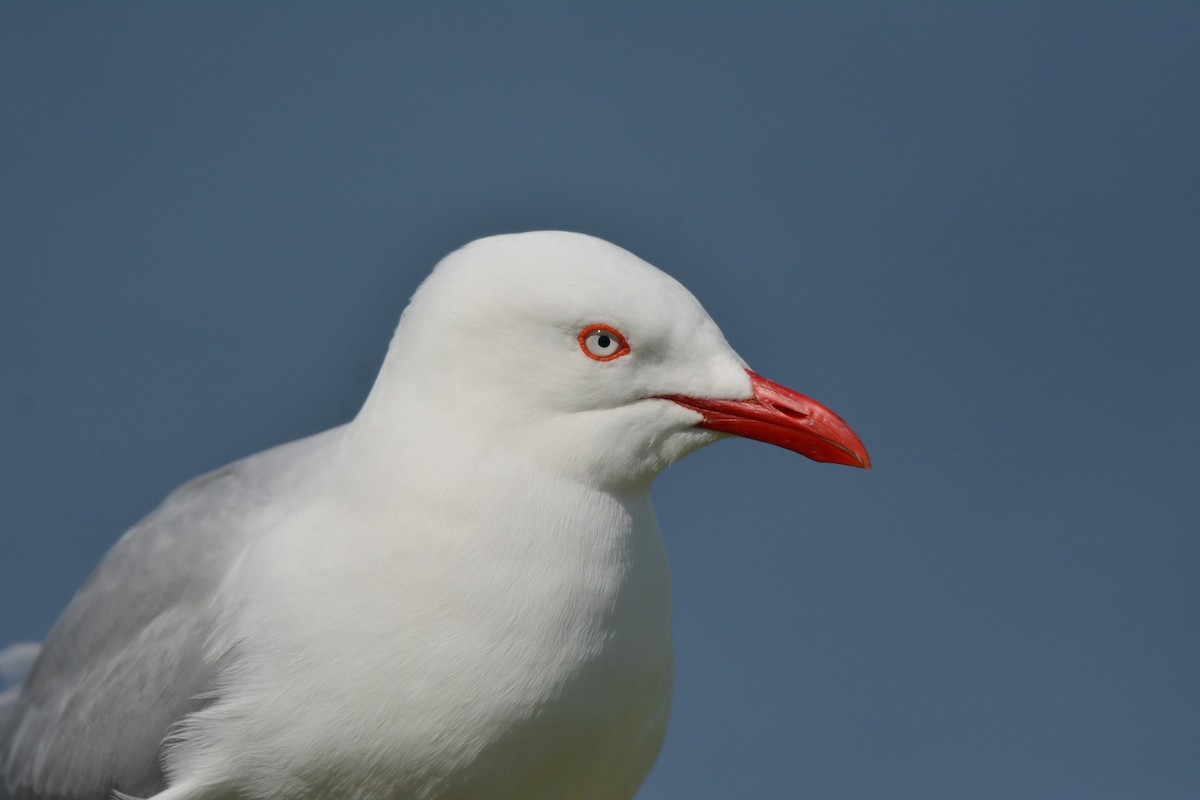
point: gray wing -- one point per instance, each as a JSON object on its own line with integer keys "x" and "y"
{"x": 127, "y": 659}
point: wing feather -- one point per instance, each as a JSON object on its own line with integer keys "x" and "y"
{"x": 129, "y": 659}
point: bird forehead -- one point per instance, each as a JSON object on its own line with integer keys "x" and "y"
{"x": 569, "y": 278}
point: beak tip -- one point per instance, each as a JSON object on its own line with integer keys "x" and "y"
{"x": 857, "y": 458}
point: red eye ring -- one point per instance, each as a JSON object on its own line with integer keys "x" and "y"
{"x": 602, "y": 343}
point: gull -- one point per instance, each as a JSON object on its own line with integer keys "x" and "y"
{"x": 461, "y": 594}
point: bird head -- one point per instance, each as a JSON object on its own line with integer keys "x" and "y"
{"x": 578, "y": 355}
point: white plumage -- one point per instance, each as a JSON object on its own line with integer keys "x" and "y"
{"x": 460, "y": 594}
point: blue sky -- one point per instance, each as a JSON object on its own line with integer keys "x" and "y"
{"x": 971, "y": 229}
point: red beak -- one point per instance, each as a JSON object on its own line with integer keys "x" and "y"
{"x": 779, "y": 416}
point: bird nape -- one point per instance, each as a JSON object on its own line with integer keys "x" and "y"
{"x": 461, "y": 593}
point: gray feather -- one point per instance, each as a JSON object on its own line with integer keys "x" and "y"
{"x": 128, "y": 659}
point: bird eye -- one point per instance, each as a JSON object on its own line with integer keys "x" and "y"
{"x": 602, "y": 343}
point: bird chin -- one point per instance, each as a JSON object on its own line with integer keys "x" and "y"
{"x": 672, "y": 447}
{"x": 636, "y": 470}
{"x": 688, "y": 441}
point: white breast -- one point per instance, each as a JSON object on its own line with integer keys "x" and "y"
{"x": 528, "y": 640}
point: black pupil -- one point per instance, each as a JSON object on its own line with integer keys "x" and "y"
{"x": 603, "y": 341}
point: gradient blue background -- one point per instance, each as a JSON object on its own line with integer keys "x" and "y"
{"x": 971, "y": 229}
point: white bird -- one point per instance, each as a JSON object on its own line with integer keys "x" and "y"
{"x": 461, "y": 594}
